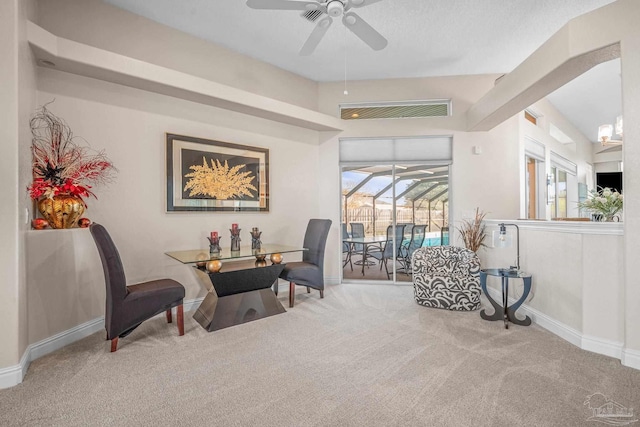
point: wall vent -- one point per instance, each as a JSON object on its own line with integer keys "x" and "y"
{"x": 311, "y": 15}
{"x": 396, "y": 110}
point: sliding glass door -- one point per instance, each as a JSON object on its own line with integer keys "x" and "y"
{"x": 389, "y": 211}
{"x": 395, "y": 199}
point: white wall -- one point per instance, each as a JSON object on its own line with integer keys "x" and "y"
{"x": 9, "y": 292}
{"x": 17, "y": 93}
{"x": 130, "y": 125}
{"x": 570, "y": 52}
{"x": 577, "y": 279}
{"x": 488, "y": 181}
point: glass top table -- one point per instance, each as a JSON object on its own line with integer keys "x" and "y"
{"x": 506, "y": 272}
{"x": 237, "y": 292}
{"x": 504, "y": 311}
{"x": 200, "y": 255}
{"x": 365, "y": 242}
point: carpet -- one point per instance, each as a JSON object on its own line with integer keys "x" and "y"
{"x": 365, "y": 355}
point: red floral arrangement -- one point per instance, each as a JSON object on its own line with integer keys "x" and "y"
{"x": 60, "y": 165}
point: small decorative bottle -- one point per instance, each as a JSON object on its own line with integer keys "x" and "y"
{"x": 214, "y": 243}
{"x": 255, "y": 238}
{"x": 235, "y": 238}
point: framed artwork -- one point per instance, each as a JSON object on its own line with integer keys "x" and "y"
{"x": 208, "y": 175}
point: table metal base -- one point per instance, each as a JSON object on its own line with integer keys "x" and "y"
{"x": 239, "y": 296}
{"x": 505, "y": 312}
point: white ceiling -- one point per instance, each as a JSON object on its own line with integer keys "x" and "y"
{"x": 426, "y": 38}
{"x": 592, "y": 99}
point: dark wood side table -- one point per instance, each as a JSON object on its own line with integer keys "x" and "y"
{"x": 506, "y": 312}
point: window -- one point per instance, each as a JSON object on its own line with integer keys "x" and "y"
{"x": 558, "y": 193}
{"x": 396, "y": 110}
{"x": 534, "y": 187}
{"x": 533, "y": 119}
{"x": 531, "y": 199}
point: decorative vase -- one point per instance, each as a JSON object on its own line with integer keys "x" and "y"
{"x": 62, "y": 211}
{"x": 255, "y": 238}
{"x": 235, "y": 238}
{"x": 600, "y": 217}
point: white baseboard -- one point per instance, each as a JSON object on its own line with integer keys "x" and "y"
{"x": 602, "y": 346}
{"x": 13, "y": 375}
{"x": 57, "y": 341}
{"x": 631, "y": 358}
{"x": 331, "y": 280}
{"x": 585, "y": 342}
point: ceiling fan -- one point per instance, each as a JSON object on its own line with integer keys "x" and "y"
{"x": 323, "y": 11}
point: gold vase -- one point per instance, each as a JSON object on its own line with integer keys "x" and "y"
{"x": 63, "y": 211}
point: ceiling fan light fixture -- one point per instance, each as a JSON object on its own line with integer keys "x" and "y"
{"x": 605, "y": 132}
{"x": 350, "y": 20}
{"x": 619, "y": 130}
{"x": 335, "y": 8}
{"x": 324, "y": 23}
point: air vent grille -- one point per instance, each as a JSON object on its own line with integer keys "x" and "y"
{"x": 312, "y": 15}
{"x": 396, "y": 110}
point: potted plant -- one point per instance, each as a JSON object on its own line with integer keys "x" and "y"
{"x": 64, "y": 171}
{"x": 473, "y": 232}
{"x": 605, "y": 203}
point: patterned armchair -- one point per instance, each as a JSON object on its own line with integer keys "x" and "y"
{"x": 446, "y": 277}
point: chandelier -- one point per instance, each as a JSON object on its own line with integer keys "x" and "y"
{"x": 605, "y": 132}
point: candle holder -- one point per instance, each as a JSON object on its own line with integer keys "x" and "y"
{"x": 260, "y": 257}
{"x": 255, "y": 238}
{"x": 214, "y": 245}
{"x": 235, "y": 239}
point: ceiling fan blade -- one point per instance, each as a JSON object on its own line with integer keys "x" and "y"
{"x": 316, "y": 35}
{"x": 283, "y": 4}
{"x": 363, "y": 30}
{"x": 362, "y": 3}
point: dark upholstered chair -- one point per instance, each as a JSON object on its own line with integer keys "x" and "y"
{"x": 310, "y": 271}
{"x": 128, "y": 306}
{"x": 446, "y": 277}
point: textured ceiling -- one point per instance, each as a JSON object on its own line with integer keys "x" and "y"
{"x": 426, "y": 38}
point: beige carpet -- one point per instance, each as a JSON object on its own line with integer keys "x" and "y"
{"x": 365, "y": 355}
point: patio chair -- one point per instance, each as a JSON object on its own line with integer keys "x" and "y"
{"x": 406, "y": 252}
{"x": 357, "y": 230}
{"x": 346, "y": 247}
{"x": 386, "y": 253}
